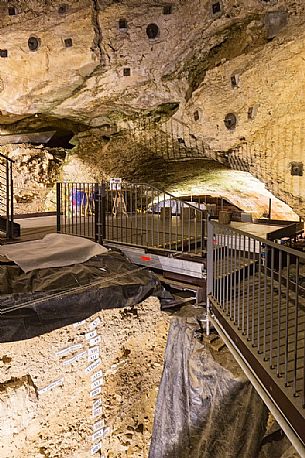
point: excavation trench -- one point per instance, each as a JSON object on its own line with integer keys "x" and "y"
{"x": 91, "y": 363}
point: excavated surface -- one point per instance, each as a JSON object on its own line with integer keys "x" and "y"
{"x": 59, "y": 422}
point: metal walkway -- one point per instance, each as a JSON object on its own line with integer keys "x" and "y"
{"x": 257, "y": 302}
{"x": 255, "y": 287}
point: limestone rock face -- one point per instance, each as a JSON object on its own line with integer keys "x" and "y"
{"x": 234, "y": 68}
{"x": 35, "y": 171}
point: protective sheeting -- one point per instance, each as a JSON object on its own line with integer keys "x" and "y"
{"x": 54, "y": 250}
{"x": 46, "y": 299}
{"x": 206, "y": 407}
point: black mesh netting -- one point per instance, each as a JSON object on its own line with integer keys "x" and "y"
{"x": 45, "y": 299}
{"x": 206, "y": 407}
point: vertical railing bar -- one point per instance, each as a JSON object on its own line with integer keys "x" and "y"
{"x": 153, "y": 217}
{"x": 220, "y": 264}
{"x": 271, "y": 309}
{"x": 58, "y": 206}
{"x": 136, "y": 212}
{"x": 279, "y": 314}
{"x": 11, "y": 202}
{"x": 7, "y": 201}
{"x": 158, "y": 221}
{"x": 195, "y": 231}
{"x": 286, "y": 321}
{"x": 253, "y": 294}
{"x": 164, "y": 222}
{"x": 248, "y": 286}
{"x": 296, "y": 326}
{"x": 227, "y": 270}
{"x": 239, "y": 281}
{"x": 142, "y": 212}
{"x": 235, "y": 277}
{"x": 182, "y": 224}
{"x": 259, "y": 297}
{"x": 119, "y": 223}
{"x": 216, "y": 265}
{"x": 72, "y": 219}
{"x": 147, "y": 216}
{"x": 170, "y": 227}
{"x": 87, "y": 213}
{"x": 64, "y": 196}
{"x": 244, "y": 279}
{"x": 231, "y": 271}
{"x": 176, "y": 221}
{"x": 130, "y": 190}
{"x": 265, "y": 299}
{"x": 189, "y": 227}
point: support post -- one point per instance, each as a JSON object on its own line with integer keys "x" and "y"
{"x": 269, "y": 209}
{"x": 58, "y": 207}
{"x": 11, "y": 202}
{"x": 209, "y": 270}
{"x": 100, "y": 212}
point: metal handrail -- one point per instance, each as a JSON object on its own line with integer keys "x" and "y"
{"x": 6, "y": 158}
{"x": 275, "y": 245}
{"x": 255, "y": 295}
{"x": 134, "y": 214}
{"x": 162, "y": 191}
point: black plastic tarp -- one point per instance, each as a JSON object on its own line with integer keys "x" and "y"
{"x": 206, "y": 407}
{"x": 45, "y": 299}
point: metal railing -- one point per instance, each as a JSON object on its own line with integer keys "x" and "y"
{"x": 256, "y": 293}
{"x": 131, "y": 214}
{"x": 170, "y": 138}
{"x": 6, "y": 197}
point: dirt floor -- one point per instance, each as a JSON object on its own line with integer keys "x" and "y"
{"x": 48, "y": 403}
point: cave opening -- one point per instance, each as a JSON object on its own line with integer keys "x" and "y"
{"x": 61, "y": 139}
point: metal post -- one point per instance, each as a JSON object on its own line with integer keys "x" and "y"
{"x": 11, "y": 202}
{"x": 7, "y": 202}
{"x": 100, "y": 212}
{"x": 58, "y": 206}
{"x": 209, "y": 272}
{"x": 269, "y": 209}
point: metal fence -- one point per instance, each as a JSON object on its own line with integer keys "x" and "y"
{"x": 170, "y": 138}
{"x": 256, "y": 291}
{"x": 131, "y": 214}
{"x": 6, "y": 197}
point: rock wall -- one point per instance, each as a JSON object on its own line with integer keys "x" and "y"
{"x": 235, "y": 74}
{"x": 35, "y": 171}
